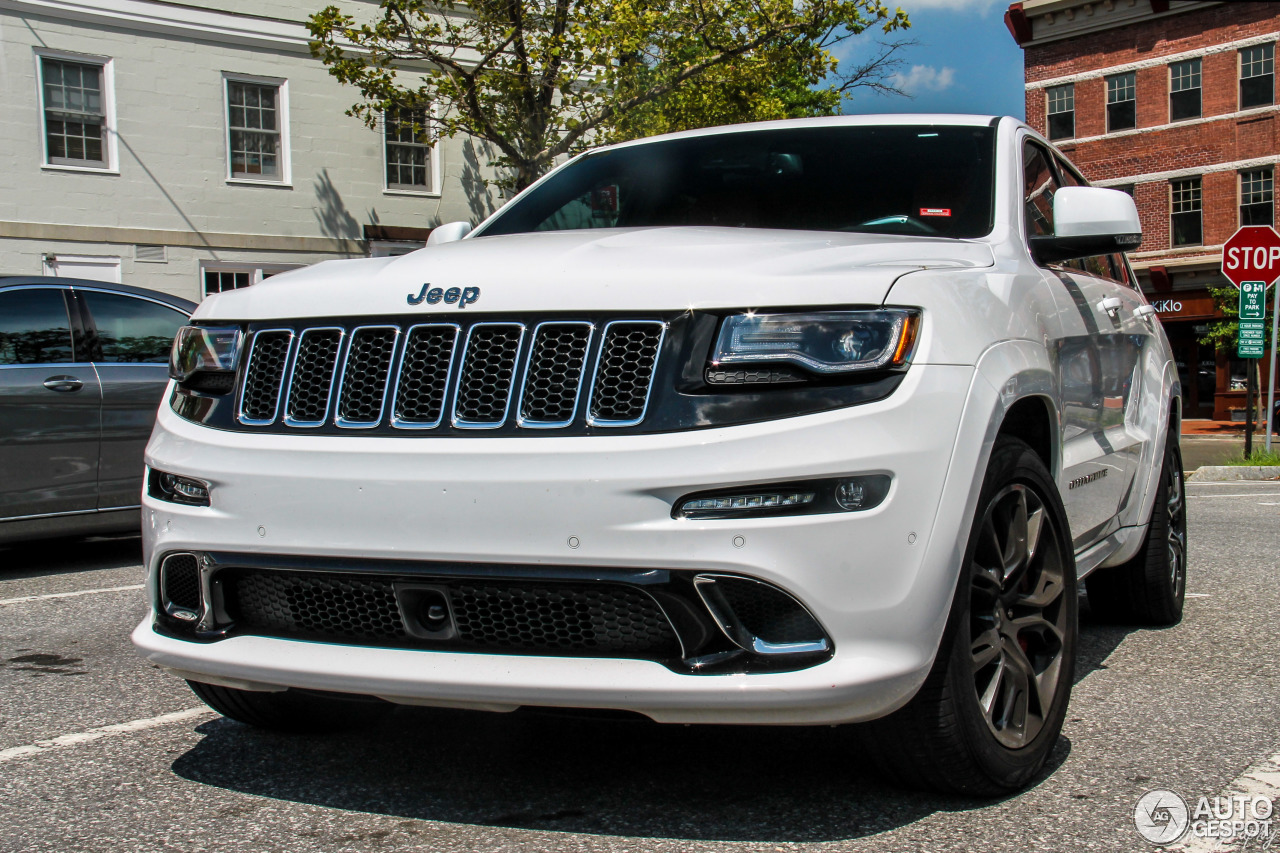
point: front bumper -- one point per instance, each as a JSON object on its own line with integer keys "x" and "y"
{"x": 879, "y": 581}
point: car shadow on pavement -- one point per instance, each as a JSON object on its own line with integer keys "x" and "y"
{"x": 623, "y": 776}
{"x": 45, "y": 557}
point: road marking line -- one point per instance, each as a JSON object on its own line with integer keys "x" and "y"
{"x": 1196, "y": 594}
{"x": 1255, "y": 495}
{"x": 24, "y": 599}
{"x": 1261, "y": 779}
{"x": 102, "y": 731}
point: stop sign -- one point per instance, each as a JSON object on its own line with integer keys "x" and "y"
{"x": 1252, "y": 254}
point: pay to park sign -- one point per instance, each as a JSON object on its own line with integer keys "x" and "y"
{"x": 1251, "y": 260}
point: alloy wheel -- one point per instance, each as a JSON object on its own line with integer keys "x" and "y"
{"x": 1176, "y": 532}
{"x": 1018, "y": 616}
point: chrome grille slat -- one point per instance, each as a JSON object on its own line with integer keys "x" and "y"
{"x": 483, "y": 396}
{"x": 552, "y": 382}
{"x": 624, "y": 372}
{"x": 366, "y": 374}
{"x": 311, "y": 380}
{"x": 260, "y": 396}
{"x": 450, "y": 376}
{"x": 426, "y": 371}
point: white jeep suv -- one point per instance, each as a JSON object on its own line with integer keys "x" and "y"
{"x": 806, "y": 422}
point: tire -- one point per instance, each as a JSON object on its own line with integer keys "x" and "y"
{"x": 992, "y": 707}
{"x": 1150, "y": 588}
{"x": 291, "y": 710}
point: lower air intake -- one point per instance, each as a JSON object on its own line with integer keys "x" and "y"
{"x": 180, "y": 581}
{"x": 554, "y": 618}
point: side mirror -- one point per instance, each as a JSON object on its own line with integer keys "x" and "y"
{"x": 448, "y": 233}
{"x": 1089, "y": 221}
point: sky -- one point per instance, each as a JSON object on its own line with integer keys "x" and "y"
{"x": 965, "y": 62}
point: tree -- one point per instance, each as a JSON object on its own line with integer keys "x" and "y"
{"x": 538, "y": 79}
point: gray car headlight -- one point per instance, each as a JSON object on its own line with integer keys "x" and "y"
{"x": 203, "y": 349}
{"x": 828, "y": 342}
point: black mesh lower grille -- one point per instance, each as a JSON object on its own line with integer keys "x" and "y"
{"x": 561, "y": 618}
{"x": 180, "y": 581}
{"x": 768, "y": 613}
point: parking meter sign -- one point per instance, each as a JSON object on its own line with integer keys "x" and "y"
{"x": 1252, "y": 300}
{"x": 1252, "y": 340}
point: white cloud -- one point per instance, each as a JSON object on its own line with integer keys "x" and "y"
{"x": 924, "y": 78}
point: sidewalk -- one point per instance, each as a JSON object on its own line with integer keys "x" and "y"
{"x": 1229, "y": 429}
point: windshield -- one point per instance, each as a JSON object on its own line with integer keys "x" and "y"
{"x": 923, "y": 180}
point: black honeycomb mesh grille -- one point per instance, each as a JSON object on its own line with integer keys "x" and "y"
{"x": 305, "y": 604}
{"x": 768, "y": 613}
{"x": 625, "y": 372}
{"x": 488, "y": 368}
{"x": 507, "y": 376}
{"x": 424, "y": 374}
{"x": 364, "y": 379}
{"x": 554, "y": 375}
{"x": 570, "y": 619}
{"x": 180, "y": 581}
{"x": 313, "y": 375}
{"x": 605, "y": 619}
{"x": 264, "y": 374}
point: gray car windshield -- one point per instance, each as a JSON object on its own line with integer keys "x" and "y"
{"x": 921, "y": 180}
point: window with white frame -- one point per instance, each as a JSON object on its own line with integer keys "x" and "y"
{"x": 1184, "y": 90}
{"x": 1061, "y": 105}
{"x": 408, "y": 151}
{"x": 1257, "y": 205}
{"x": 257, "y": 144}
{"x": 1257, "y": 76}
{"x": 1122, "y": 101}
{"x": 75, "y": 98}
{"x": 1187, "y": 216}
{"x": 221, "y": 277}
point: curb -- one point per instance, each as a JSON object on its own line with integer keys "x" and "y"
{"x": 1222, "y": 473}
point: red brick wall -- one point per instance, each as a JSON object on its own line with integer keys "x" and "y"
{"x": 1182, "y": 146}
{"x": 1160, "y": 37}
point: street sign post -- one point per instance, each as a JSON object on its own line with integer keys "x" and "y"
{"x": 1251, "y": 260}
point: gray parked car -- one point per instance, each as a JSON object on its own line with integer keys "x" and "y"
{"x": 83, "y": 366}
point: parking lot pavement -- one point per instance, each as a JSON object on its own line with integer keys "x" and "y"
{"x": 101, "y": 752}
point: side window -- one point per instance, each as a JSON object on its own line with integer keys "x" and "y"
{"x": 133, "y": 330}
{"x": 33, "y": 327}
{"x": 1039, "y": 185}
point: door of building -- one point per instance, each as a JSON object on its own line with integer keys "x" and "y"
{"x": 1197, "y": 369}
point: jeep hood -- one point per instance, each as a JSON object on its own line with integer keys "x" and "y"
{"x": 641, "y": 269}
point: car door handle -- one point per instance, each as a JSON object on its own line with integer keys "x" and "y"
{"x": 1110, "y": 305}
{"x": 1142, "y": 312}
{"x": 63, "y": 383}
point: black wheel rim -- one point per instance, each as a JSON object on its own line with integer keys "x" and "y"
{"x": 1018, "y": 615}
{"x": 1176, "y": 533}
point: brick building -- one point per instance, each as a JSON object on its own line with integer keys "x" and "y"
{"x": 1175, "y": 103}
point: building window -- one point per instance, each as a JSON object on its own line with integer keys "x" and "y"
{"x": 75, "y": 98}
{"x": 1127, "y": 189}
{"x": 1184, "y": 90}
{"x": 1257, "y": 76}
{"x": 256, "y": 121}
{"x": 1062, "y": 111}
{"x": 218, "y": 281}
{"x": 224, "y": 277}
{"x": 408, "y": 153}
{"x": 1122, "y": 93}
{"x": 1186, "y": 221}
{"x": 1257, "y": 197}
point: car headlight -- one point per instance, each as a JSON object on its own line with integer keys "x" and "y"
{"x": 203, "y": 349}
{"x": 828, "y": 342}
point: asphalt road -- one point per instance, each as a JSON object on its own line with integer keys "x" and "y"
{"x": 89, "y": 761}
